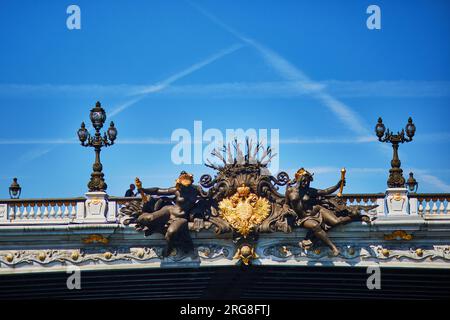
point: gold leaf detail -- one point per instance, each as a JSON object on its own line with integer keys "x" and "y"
{"x": 244, "y": 210}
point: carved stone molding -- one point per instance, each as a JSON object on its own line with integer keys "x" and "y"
{"x": 371, "y": 252}
{"x": 220, "y": 255}
{"x": 11, "y": 258}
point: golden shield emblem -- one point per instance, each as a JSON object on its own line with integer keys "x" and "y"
{"x": 244, "y": 210}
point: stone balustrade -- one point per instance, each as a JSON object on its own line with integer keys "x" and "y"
{"x": 39, "y": 210}
{"x": 362, "y": 198}
{"x": 75, "y": 210}
{"x": 55, "y": 211}
{"x": 433, "y": 205}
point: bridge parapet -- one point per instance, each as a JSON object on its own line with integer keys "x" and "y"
{"x": 428, "y": 206}
{"x": 42, "y": 235}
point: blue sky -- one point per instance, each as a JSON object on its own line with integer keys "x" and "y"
{"x": 311, "y": 69}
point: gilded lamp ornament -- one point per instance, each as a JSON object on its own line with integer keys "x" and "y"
{"x": 244, "y": 210}
{"x": 245, "y": 253}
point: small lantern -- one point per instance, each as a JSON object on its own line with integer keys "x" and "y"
{"x": 15, "y": 189}
{"x": 410, "y": 128}
{"x": 98, "y": 116}
{"x": 82, "y": 133}
{"x": 412, "y": 183}
{"x": 380, "y": 128}
{"x": 112, "y": 132}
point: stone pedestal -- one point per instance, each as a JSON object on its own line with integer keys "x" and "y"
{"x": 397, "y": 202}
{"x": 96, "y": 207}
{"x": 398, "y": 205}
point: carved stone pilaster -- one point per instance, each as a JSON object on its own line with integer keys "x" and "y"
{"x": 3, "y": 212}
{"x": 397, "y": 202}
{"x": 96, "y": 207}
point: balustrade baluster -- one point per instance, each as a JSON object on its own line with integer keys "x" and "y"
{"x": 24, "y": 212}
{"x": 420, "y": 206}
{"x": 38, "y": 211}
{"x": 19, "y": 212}
{"x": 54, "y": 210}
{"x": 45, "y": 213}
{"x": 66, "y": 213}
{"x": 73, "y": 212}
{"x": 427, "y": 206}
{"x": 58, "y": 213}
{"x": 434, "y": 208}
{"x": 442, "y": 207}
{"x": 30, "y": 210}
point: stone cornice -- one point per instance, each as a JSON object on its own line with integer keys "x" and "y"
{"x": 401, "y": 243}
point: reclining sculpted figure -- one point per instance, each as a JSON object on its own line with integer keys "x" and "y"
{"x": 316, "y": 212}
{"x": 168, "y": 214}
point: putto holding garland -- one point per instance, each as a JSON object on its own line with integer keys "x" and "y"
{"x": 241, "y": 202}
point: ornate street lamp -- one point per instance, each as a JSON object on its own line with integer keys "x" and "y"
{"x": 396, "y": 179}
{"x": 412, "y": 183}
{"x": 98, "y": 118}
{"x": 15, "y": 189}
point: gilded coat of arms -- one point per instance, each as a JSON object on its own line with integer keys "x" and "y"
{"x": 244, "y": 210}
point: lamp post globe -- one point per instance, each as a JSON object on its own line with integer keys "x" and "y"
{"x": 97, "y": 116}
{"x": 380, "y": 128}
{"x": 412, "y": 183}
{"x": 15, "y": 189}
{"x": 410, "y": 128}
{"x": 82, "y": 133}
{"x": 112, "y": 132}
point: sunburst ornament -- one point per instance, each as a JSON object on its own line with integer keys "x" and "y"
{"x": 244, "y": 210}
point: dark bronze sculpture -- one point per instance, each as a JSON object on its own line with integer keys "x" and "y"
{"x": 241, "y": 202}
{"x": 170, "y": 213}
{"x": 396, "y": 179}
{"x": 317, "y": 213}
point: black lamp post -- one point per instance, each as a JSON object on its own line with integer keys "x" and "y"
{"x": 98, "y": 118}
{"x": 396, "y": 179}
{"x": 15, "y": 189}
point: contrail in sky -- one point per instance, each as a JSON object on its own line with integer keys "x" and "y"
{"x": 165, "y": 83}
{"x": 289, "y": 72}
{"x": 145, "y": 91}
